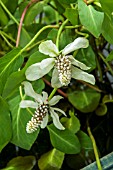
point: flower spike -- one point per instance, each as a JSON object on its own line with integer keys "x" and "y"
{"x": 42, "y": 107}
{"x": 64, "y": 66}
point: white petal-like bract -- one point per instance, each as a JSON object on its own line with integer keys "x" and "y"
{"x": 28, "y": 103}
{"x": 75, "y": 45}
{"x": 81, "y": 75}
{"x": 30, "y": 92}
{"x": 78, "y": 63}
{"x": 55, "y": 80}
{"x": 48, "y": 48}
{"x": 56, "y": 120}
{"x": 55, "y": 100}
{"x": 44, "y": 122}
{"x": 35, "y": 71}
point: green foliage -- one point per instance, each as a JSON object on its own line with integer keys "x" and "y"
{"x": 33, "y": 11}
{"x": 5, "y": 124}
{"x": 18, "y": 77}
{"x": 69, "y": 143}
{"x": 107, "y": 25}
{"x": 81, "y": 30}
{"x": 10, "y": 63}
{"x": 72, "y": 15}
{"x": 71, "y": 123}
{"x": 90, "y": 18}
{"x": 86, "y": 100}
{"x": 51, "y": 160}
{"x": 87, "y": 56}
{"x": 19, "y": 120}
{"x": 4, "y": 18}
{"x": 101, "y": 110}
{"x": 107, "y": 6}
{"x": 85, "y": 141}
{"x": 26, "y": 162}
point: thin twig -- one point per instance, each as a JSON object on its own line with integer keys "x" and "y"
{"x": 58, "y": 90}
{"x": 107, "y": 64}
{"x": 94, "y": 147}
{"x": 91, "y": 86}
{"x": 21, "y": 21}
{"x": 6, "y": 40}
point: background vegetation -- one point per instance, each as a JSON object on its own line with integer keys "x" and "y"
{"x": 24, "y": 24}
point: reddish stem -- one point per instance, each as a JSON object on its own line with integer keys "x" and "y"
{"x": 21, "y": 21}
{"x": 58, "y": 90}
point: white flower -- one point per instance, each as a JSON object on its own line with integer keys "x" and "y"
{"x": 42, "y": 109}
{"x": 65, "y": 66}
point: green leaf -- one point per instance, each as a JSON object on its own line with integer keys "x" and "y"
{"x": 85, "y": 140}
{"x": 64, "y": 140}
{"x": 107, "y": 25}
{"x": 52, "y": 35}
{"x": 50, "y": 16}
{"x": 72, "y": 15}
{"x": 21, "y": 163}
{"x": 19, "y": 76}
{"x": 33, "y": 11}
{"x": 4, "y": 19}
{"x": 67, "y": 37}
{"x": 59, "y": 6}
{"x": 24, "y": 38}
{"x": 51, "y": 160}
{"x": 10, "y": 63}
{"x": 101, "y": 110}
{"x": 20, "y": 117}
{"x": 110, "y": 56}
{"x": 11, "y": 5}
{"x": 107, "y": 6}
{"x": 107, "y": 99}
{"x": 12, "y": 83}
{"x": 90, "y": 18}
{"x": 87, "y": 56}
{"x": 86, "y": 100}
{"x": 71, "y": 123}
{"x": 5, "y": 124}
{"x": 38, "y": 86}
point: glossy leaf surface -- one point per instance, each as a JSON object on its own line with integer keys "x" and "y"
{"x": 5, "y": 124}
{"x": 51, "y": 160}
{"x": 69, "y": 143}
{"x": 86, "y": 100}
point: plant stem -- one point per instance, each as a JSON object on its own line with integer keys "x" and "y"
{"x": 81, "y": 33}
{"x": 8, "y": 36}
{"x": 34, "y": 38}
{"x": 8, "y": 12}
{"x": 99, "y": 68}
{"x": 6, "y": 40}
{"x": 107, "y": 64}
{"x": 95, "y": 148}
{"x": 72, "y": 27}
{"x": 32, "y": 46}
{"x": 21, "y": 22}
{"x": 52, "y": 93}
{"x": 59, "y": 32}
{"x": 38, "y": 33}
{"x": 58, "y": 90}
{"x": 91, "y": 86}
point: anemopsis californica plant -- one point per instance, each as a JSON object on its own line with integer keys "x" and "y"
{"x": 64, "y": 66}
{"x": 42, "y": 107}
